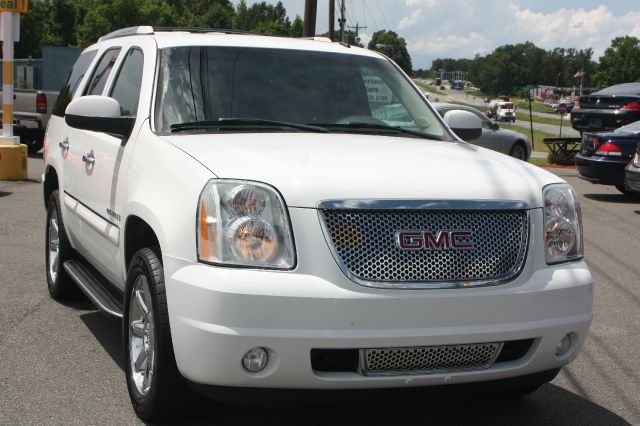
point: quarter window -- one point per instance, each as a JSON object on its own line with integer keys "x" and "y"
{"x": 102, "y": 71}
{"x": 73, "y": 80}
{"x": 126, "y": 89}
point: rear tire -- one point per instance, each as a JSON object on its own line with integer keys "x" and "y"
{"x": 156, "y": 388}
{"x": 58, "y": 250}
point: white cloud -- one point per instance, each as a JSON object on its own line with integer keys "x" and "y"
{"x": 409, "y": 21}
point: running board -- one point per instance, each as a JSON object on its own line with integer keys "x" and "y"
{"x": 101, "y": 293}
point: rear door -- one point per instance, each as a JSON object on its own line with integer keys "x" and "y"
{"x": 66, "y": 145}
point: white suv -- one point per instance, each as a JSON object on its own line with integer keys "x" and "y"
{"x": 269, "y": 213}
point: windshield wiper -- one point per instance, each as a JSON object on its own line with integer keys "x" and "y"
{"x": 383, "y": 127}
{"x": 243, "y": 123}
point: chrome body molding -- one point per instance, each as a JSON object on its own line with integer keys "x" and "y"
{"x": 423, "y": 205}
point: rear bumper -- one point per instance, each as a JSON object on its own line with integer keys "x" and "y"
{"x": 632, "y": 178}
{"x": 601, "y": 170}
{"x": 587, "y": 120}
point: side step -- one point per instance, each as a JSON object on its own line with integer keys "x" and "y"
{"x": 100, "y": 292}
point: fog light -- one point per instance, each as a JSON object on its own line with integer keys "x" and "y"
{"x": 255, "y": 360}
{"x": 563, "y": 345}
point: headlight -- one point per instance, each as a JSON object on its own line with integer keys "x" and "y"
{"x": 562, "y": 224}
{"x": 244, "y": 223}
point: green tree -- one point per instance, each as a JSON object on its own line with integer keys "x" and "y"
{"x": 262, "y": 18}
{"x": 620, "y": 62}
{"x": 297, "y": 27}
{"x": 395, "y": 47}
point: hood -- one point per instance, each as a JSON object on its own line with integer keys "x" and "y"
{"x": 308, "y": 168}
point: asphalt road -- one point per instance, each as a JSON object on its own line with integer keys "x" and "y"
{"x": 62, "y": 364}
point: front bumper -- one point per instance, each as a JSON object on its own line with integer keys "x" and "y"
{"x": 601, "y": 170}
{"x": 632, "y": 178}
{"x": 218, "y": 314}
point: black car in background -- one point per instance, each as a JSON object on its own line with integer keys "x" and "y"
{"x": 607, "y": 109}
{"x": 632, "y": 173}
{"x": 603, "y": 156}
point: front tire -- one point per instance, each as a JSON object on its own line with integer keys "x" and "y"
{"x": 518, "y": 151}
{"x": 58, "y": 250}
{"x": 156, "y": 388}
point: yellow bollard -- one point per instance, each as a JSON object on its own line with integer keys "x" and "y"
{"x": 13, "y": 162}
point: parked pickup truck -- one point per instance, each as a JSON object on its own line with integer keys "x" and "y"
{"x": 243, "y": 207}
{"x": 32, "y": 109}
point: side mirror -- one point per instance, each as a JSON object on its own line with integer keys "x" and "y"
{"x": 98, "y": 114}
{"x": 464, "y": 124}
{"x": 495, "y": 126}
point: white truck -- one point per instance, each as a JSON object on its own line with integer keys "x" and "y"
{"x": 233, "y": 200}
{"x": 501, "y": 110}
{"x": 32, "y": 109}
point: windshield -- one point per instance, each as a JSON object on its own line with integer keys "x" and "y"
{"x": 200, "y": 85}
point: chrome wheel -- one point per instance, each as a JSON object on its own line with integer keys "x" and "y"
{"x": 53, "y": 246}
{"x": 141, "y": 335}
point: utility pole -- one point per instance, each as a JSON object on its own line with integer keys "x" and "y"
{"x": 342, "y": 21}
{"x": 357, "y": 27}
{"x": 310, "y": 10}
{"x": 332, "y": 17}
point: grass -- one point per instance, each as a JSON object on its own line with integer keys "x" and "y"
{"x": 538, "y": 136}
{"x": 524, "y": 116}
{"x": 539, "y": 161}
{"x": 535, "y": 106}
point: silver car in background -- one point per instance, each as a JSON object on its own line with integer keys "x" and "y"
{"x": 493, "y": 137}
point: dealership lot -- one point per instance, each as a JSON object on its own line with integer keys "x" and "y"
{"x": 62, "y": 364}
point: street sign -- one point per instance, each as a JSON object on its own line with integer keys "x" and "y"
{"x": 18, "y": 6}
{"x": 562, "y": 108}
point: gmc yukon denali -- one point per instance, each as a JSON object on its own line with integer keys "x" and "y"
{"x": 268, "y": 214}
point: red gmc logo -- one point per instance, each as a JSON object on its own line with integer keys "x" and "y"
{"x": 427, "y": 240}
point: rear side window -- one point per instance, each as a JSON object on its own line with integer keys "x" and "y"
{"x": 101, "y": 72}
{"x": 71, "y": 84}
{"x": 126, "y": 89}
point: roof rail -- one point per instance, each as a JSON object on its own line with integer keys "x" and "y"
{"x": 130, "y": 31}
{"x": 205, "y": 30}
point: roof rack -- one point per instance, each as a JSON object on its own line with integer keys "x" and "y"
{"x": 205, "y": 30}
{"x": 126, "y": 32}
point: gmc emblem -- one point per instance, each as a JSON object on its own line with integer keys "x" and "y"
{"x": 427, "y": 240}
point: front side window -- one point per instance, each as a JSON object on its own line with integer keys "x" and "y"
{"x": 339, "y": 92}
{"x": 101, "y": 72}
{"x": 126, "y": 89}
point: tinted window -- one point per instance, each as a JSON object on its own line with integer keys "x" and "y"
{"x": 126, "y": 88}
{"x": 209, "y": 83}
{"x": 101, "y": 73}
{"x": 73, "y": 80}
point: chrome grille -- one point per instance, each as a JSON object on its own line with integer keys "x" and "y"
{"x": 429, "y": 359}
{"x": 364, "y": 243}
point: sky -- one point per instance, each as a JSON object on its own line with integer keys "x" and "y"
{"x": 461, "y": 28}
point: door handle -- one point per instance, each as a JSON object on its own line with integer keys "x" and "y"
{"x": 89, "y": 158}
{"x": 64, "y": 145}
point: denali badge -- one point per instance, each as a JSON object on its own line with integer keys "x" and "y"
{"x": 427, "y": 240}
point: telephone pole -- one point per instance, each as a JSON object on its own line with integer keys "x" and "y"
{"x": 357, "y": 27}
{"x": 310, "y": 10}
{"x": 332, "y": 18}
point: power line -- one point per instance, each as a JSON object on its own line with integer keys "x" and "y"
{"x": 383, "y": 16}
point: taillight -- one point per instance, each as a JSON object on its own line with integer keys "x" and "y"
{"x": 609, "y": 149}
{"x": 636, "y": 160}
{"x": 632, "y": 105}
{"x": 41, "y": 103}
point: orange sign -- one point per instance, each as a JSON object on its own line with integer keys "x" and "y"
{"x": 19, "y": 6}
